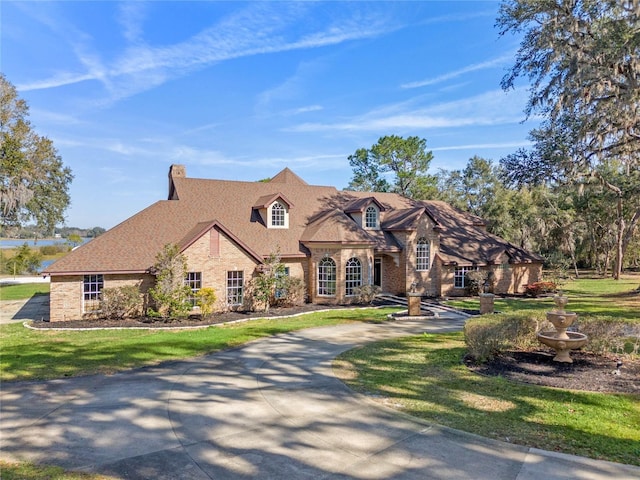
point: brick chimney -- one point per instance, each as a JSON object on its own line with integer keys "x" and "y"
{"x": 175, "y": 171}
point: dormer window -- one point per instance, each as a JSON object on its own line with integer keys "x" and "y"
{"x": 278, "y": 215}
{"x": 371, "y": 219}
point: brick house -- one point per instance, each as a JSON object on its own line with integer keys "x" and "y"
{"x": 334, "y": 240}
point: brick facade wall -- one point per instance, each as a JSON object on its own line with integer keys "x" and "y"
{"x": 66, "y": 297}
{"x": 340, "y": 256}
{"x": 508, "y": 278}
{"x": 214, "y": 254}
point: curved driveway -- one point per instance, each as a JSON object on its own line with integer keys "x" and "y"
{"x": 271, "y": 409}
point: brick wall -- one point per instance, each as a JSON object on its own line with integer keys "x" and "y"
{"x": 340, "y": 256}
{"x": 508, "y": 278}
{"x": 66, "y": 297}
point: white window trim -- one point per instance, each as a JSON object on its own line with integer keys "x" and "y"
{"x": 270, "y": 215}
{"x": 352, "y": 284}
{"x": 465, "y": 270}
{"x": 426, "y": 258}
{"x": 96, "y": 279}
{"x": 235, "y": 286}
{"x": 376, "y": 225}
{"x": 327, "y": 280}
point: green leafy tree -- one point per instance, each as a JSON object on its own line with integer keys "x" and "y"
{"x": 270, "y": 279}
{"x": 95, "y": 232}
{"x": 407, "y": 160}
{"x": 367, "y": 173}
{"x": 24, "y": 260}
{"x": 170, "y": 293}
{"x": 34, "y": 183}
{"x": 582, "y": 58}
{"x": 74, "y": 239}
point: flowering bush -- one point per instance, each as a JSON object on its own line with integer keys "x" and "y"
{"x": 538, "y": 288}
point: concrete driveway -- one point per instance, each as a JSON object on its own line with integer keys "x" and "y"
{"x": 270, "y": 410}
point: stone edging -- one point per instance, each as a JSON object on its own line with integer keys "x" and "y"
{"x": 191, "y": 327}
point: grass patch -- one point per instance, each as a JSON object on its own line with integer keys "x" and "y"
{"x": 24, "y": 471}
{"x": 45, "y": 354}
{"x": 424, "y": 377}
{"x": 587, "y": 297}
{"x": 22, "y": 291}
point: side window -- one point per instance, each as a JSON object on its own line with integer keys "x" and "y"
{"x": 353, "y": 276}
{"x": 92, "y": 285}
{"x": 327, "y": 277}
{"x": 460, "y": 276}
{"x": 235, "y": 287}
{"x": 281, "y": 291}
{"x": 422, "y": 254}
{"x": 194, "y": 281}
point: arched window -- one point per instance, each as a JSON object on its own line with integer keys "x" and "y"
{"x": 353, "y": 276}
{"x": 422, "y": 254}
{"x": 327, "y": 277}
{"x": 371, "y": 217}
{"x": 278, "y": 214}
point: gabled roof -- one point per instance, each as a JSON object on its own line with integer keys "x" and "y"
{"x": 266, "y": 200}
{"x": 335, "y": 226}
{"x": 203, "y": 227}
{"x": 360, "y": 204}
{"x": 288, "y": 177}
{"x": 406, "y": 219}
{"x": 197, "y": 205}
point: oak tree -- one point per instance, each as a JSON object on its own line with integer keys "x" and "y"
{"x": 34, "y": 183}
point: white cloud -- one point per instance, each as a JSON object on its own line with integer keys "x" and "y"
{"x": 260, "y": 28}
{"x": 131, "y": 16}
{"x": 490, "y": 108}
{"x": 496, "y": 62}
{"x": 483, "y": 146}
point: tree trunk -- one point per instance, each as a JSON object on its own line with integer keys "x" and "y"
{"x": 619, "y": 240}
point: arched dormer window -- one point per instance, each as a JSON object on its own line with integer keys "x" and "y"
{"x": 327, "y": 277}
{"x": 278, "y": 216}
{"x": 371, "y": 218}
{"x": 423, "y": 253}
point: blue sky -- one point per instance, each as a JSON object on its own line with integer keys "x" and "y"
{"x": 239, "y": 91}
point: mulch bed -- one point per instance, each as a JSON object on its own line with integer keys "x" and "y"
{"x": 588, "y": 371}
{"x": 191, "y": 321}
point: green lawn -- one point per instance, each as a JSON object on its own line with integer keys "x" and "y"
{"x": 39, "y": 354}
{"x": 423, "y": 376}
{"x": 587, "y": 297}
{"x": 29, "y": 471}
{"x": 22, "y": 291}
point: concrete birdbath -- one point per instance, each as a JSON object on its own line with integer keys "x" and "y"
{"x": 561, "y": 340}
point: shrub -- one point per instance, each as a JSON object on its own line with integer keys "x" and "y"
{"x": 120, "y": 302}
{"x": 475, "y": 279}
{"x": 538, "y": 288}
{"x": 50, "y": 250}
{"x": 491, "y": 335}
{"x": 170, "y": 294}
{"x": 610, "y": 335}
{"x": 206, "y": 298}
{"x": 292, "y": 292}
{"x": 488, "y": 336}
{"x": 367, "y": 293}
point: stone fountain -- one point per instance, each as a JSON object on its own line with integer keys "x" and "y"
{"x": 561, "y": 340}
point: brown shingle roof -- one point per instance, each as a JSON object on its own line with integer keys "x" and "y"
{"x": 318, "y": 216}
